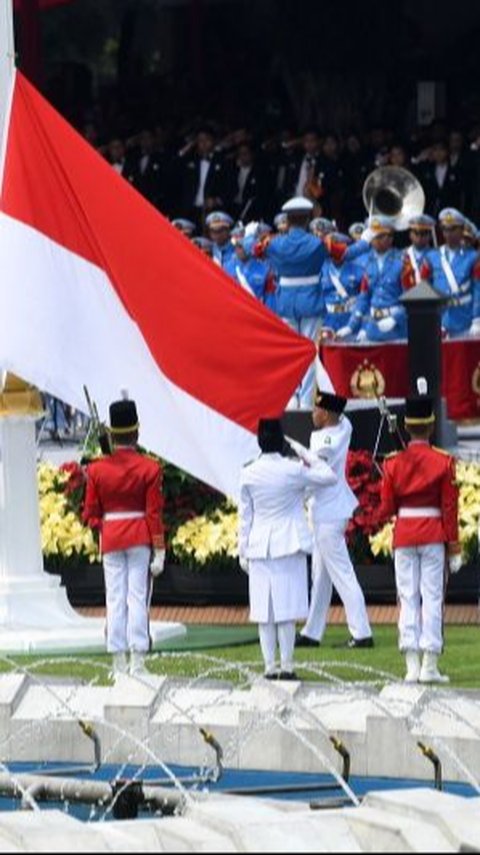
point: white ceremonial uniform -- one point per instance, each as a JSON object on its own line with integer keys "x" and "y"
{"x": 331, "y": 509}
{"x": 274, "y": 537}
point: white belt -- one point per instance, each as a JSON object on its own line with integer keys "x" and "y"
{"x": 419, "y": 512}
{"x": 292, "y": 281}
{"x": 123, "y": 515}
{"x": 380, "y": 313}
{"x": 332, "y": 308}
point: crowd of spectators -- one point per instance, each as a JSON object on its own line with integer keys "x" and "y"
{"x": 191, "y": 174}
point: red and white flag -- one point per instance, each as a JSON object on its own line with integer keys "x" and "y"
{"x": 97, "y": 288}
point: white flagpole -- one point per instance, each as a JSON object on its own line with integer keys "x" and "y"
{"x": 35, "y": 614}
{"x": 7, "y": 73}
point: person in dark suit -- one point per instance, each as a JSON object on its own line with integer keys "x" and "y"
{"x": 443, "y": 183}
{"x": 204, "y": 178}
{"x": 299, "y": 169}
{"x": 252, "y": 199}
{"x": 148, "y": 171}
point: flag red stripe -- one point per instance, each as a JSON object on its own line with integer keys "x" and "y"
{"x": 206, "y": 334}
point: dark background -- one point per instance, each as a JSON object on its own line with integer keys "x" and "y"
{"x": 269, "y": 62}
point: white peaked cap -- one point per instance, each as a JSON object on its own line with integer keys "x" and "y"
{"x": 298, "y": 203}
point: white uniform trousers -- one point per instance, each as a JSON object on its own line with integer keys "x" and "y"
{"x": 419, "y": 577}
{"x": 310, "y": 328}
{"x": 272, "y": 633}
{"x": 126, "y": 589}
{"x": 331, "y": 564}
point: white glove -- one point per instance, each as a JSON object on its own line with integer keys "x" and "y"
{"x": 251, "y": 228}
{"x": 243, "y": 564}
{"x": 362, "y": 336}
{"x": 157, "y": 564}
{"x": 455, "y": 562}
{"x": 386, "y": 324}
{"x": 343, "y": 332}
{"x": 367, "y": 235}
{"x": 475, "y": 327}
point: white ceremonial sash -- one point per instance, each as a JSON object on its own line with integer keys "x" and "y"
{"x": 448, "y": 271}
{"x": 414, "y": 264}
{"x": 339, "y": 288}
{"x": 243, "y": 279}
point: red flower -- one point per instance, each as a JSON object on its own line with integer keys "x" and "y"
{"x": 76, "y": 479}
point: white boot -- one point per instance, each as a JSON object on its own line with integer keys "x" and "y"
{"x": 137, "y": 664}
{"x": 429, "y": 672}
{"x": 412, "y": 659}
{"x": 119, "y": 663}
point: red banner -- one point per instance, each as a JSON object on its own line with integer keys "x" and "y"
{"x": 367, "y": 370}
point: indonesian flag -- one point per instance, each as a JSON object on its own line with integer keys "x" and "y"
{"x": 97, "y": 288}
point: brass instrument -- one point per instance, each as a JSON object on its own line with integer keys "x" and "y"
{"x": 392, "y": 191}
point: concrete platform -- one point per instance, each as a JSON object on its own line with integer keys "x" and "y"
{"x": 262, "y": 725}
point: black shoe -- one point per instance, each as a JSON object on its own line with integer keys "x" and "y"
{"x": 305, "y": 641}
{"x": 273, "y": 675}
{"x": 360, "y": 642}
{"x": 287, "y": 675}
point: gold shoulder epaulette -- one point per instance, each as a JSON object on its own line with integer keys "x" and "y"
{"x": 391, "y": 454}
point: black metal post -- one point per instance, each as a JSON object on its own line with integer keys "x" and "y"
{"x": 424, "y": 307}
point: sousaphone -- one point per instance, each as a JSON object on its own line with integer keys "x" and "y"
{"x": 393, "y": 192}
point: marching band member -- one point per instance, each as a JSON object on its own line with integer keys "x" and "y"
{"x": 356, "y": 230}
{"x": 470, "y": 235}
{"x": 321, "y": 226}
{"x": 204, "y": 245}
{"x": 419, "y": 489}
{"x": 297, "y": 258}
{"x": 454, "y": 270}
{"x": 378, "y": 315}
{"x": 340, "y": 286}
{"x": 332, "y": 507}
{"x": 186, "y": 227}
{"x": 124, "y": 500}
{"x": 253, "y": 274}
{"x": 219, "y": 225}
{"x": 421, "y": 230}
{"x": 274, "y": 539}
{"x": 280, "y": 221}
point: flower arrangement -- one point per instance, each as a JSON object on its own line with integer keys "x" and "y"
{"x": 364, "y": 479}
{"x": 67, "y": 541}
{"x": 63, "y": 534}
{"x": 202, "y": 528}
{"x": 468, "y": 480}
{"x": 211, "y": 538}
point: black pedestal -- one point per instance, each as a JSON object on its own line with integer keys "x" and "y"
{"x": 365, "y": 422}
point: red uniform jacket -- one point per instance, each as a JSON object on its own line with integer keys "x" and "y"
{"x": 125, "y": 481}
{"x": 421, "y": 477}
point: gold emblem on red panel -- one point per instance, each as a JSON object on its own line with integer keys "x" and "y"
{"x": 476, "y": 380}
{"x": 367, "y": 381}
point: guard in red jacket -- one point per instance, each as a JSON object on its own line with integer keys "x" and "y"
{"x": 419, "y": 489}
{"x": 124, "y": 501}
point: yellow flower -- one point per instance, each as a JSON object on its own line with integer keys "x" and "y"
{"x": 204, "y": 537}
{"x": 62, "y": 531}
{"x": 381, "y": 543}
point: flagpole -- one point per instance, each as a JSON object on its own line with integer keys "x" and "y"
{"x": 35, "y": 614}
{"x": 7, "y": 73}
